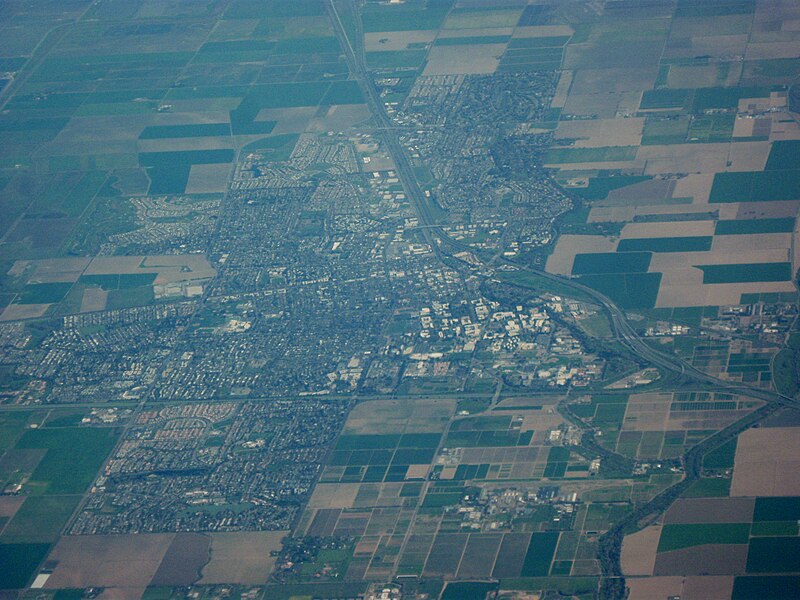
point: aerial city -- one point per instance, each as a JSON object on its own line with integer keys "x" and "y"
{"x": 399, "y": 299}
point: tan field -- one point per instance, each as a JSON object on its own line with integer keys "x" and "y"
{"x": 711, "y": 587}
{"x": 599, "y": 133}
{"x": 562, "y": 89}
{"x": 180, "y": 144}
{"x": 50, "y": 270}
{"x": 601, "y": 82}
{"x": 484, "y": 31}
{"x": 334, "y": 495}
{"x": 735, "y": 244}
{"x": 417, "y": 471}
{"x": 396, "y": 416}
{"x": 339, "y": 117}
{"x": 748, "y": 156}
{"x": 599, "y": 214}
{"x": 560, "y": 261}
{"x": 208, "y": 179}
{"x": 684, "y": 158}
{"x": 542, "y": 31}
{"x": 708, "y": 559}
{"x": 639, "y": 551}
{"x": 12, "y": 312}
{"x": 761, "y": 50}
{"x": 766, "y": 210}
{"x": 701, "y": 76}
{"x": 396, "y": 40}
{"x": 93, "y": 299}
{"x": 120, "y": 593}
{"x": 603, "y": 105}
{"x": 627, "y": 165}
{"x": 667, "y": 230}
{"x": 242, "y": 557}
{"x": 711, "y": 510}
{"x": 289, "y": 120}
{"x": 708, "y": 587}
{"x": 767, "y": 463}
{"x": 696, "y": 186}
{"x": 782, "y": 129}
{"x": 654, "y": 588}
{"x": 126, "y": 561}
{"x": 675, "y": 294}
{"x": 9, "y": 505}
{"x": 647, "y": 412}
{"x": 474, "y": 59}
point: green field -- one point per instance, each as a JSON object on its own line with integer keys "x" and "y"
{"x": 755, "y": 186}
{"x": 119, "y": 282}
{"x": 611, "y": 262}
{"x": 782, "y": 587}
{"x": 396, "y": 59}
{"x": 157, "y": 132}
{"x": 18, "y": 563}
{"x": 677, "y": 536}
{"x": 557, "y": 460}
{"x": 709, "y": 487}
{"x": 665, "y": 98}
{"x": 74, "y": 455}
{"x": 675, "y": 244}
{"x": 777, "y": 509}
{"x": 249, "y": 9}
{"x": 774, "y": 528}
{"x": 480, "y": 17}
{"x": 39, "y": 519}
{"x": 774, "y": 555}
{"x": 784, "y": 154}
{"x": 665, "y": 130}
{"x": 540, "y": 554}
{"x": 599, "y": 187}
{"x": 724, "y": 97}
{"x": 744, "y": 273}
{"x": 468, "y": 590}
{"x": 628, "y": 290}
{"x": 43, "y": 293}
{"x": 721, "y": 457}
{"x": 381, "y": 17}
{"x": 586, "y": 155}
{"x": 704, "y": 8}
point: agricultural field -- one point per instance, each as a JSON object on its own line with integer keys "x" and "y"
{"x": 702, "y": 146}
{"x": 70, "y": 285}
{"x": 740, "y": 516}
{"x": 163, "y": 108}
{"x": 46, "y": 465}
